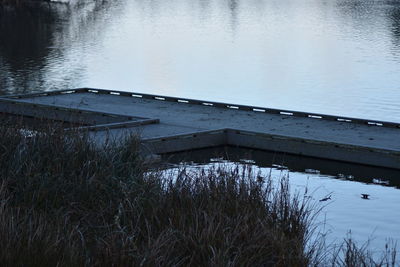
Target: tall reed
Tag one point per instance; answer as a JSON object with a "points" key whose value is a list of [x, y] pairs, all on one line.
{"points": [[67, 201]]}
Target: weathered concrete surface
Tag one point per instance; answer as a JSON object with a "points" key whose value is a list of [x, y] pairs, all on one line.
{"points": [[89, 120], [370, 144]]}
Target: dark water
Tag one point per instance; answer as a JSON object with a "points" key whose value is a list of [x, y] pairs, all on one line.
{"points": [[337, 57]]}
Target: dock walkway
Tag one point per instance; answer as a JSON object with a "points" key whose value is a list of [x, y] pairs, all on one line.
{"points": [[183, 124]]}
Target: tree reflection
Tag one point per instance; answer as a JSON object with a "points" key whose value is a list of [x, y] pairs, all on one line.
{"points": [[233, 8], [26, 32], [35, 36], [394, 16]]}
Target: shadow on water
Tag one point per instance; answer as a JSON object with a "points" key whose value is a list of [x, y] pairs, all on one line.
{"points": [[26, 32], [233, 7], [291, 163], [34, 36], [362, 13], [394, 18]]}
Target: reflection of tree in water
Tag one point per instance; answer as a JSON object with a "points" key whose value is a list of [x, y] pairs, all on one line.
{"points": [[25, 35], [34, 36], [24, 28], [361, 14], [368, 16], [394, 16], [233, 7], [35, 39]]}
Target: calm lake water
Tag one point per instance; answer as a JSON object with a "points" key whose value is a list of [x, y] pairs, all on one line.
{"points": [[328, 56]]}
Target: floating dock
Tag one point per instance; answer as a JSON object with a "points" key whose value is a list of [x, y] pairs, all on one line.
{"points": [[168, 124]]}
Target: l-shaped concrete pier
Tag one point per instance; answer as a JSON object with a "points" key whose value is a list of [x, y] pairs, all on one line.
{"points": [[168, 124]]}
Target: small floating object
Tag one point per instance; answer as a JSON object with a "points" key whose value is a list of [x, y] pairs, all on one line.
{"points": [[365, 196], [343, 176], [247, 161], [186, 163], [279, 167], [312, 171], [379, 181], [216, 159], [340, 175], [325, 199]]}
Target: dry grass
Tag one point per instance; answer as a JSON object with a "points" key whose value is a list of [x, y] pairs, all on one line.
{"points": [[67, 202], [350, 254]]}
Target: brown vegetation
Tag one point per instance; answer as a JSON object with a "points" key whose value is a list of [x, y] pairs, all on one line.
{"points": [[67, 202]]}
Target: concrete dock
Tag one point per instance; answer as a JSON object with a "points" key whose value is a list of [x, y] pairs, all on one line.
{"points": [[168, 124]]}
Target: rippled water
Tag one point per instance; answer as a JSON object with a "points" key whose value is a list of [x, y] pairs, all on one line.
{"points": [[337, 57]]}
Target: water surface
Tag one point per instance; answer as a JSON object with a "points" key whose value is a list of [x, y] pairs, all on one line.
{"points": [[337, 57], [345, 213]]}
